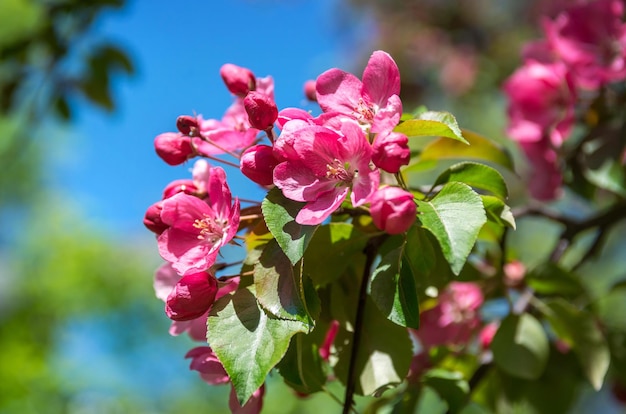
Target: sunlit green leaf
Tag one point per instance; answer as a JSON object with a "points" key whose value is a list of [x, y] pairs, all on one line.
{"points": [[480, 148], [520, 347], [475, 175], [454, 216], [280, 290], [498, 212], [246, 340], [432, 124], [280, 216]]}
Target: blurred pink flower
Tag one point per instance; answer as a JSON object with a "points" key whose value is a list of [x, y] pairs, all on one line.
{"points": [[393, 209], [541, 102], [544, 177], [590, 37], [321, 166], [374, 103], [454, 319], [198, 228]]}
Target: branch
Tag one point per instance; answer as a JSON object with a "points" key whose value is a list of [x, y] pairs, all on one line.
{"points": [[370, 250]]}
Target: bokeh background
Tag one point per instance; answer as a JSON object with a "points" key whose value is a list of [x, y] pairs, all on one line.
{"points": [[87, 85]]}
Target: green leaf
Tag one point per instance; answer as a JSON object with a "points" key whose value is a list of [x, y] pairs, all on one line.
{"points": [[480, 148], [432, 124], [333, 248], [384, 353], [280, 291], [520, 347], [280, 216], [301, 367], [579, 329], [246, 340], [393, 290], [609, 176], [450, 386], [475, 175], [454, 216], [551, 279], [498, 212]]}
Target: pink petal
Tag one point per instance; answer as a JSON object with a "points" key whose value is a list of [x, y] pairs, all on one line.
{"points": [[381, 78], [338, 91], [319, 210]]}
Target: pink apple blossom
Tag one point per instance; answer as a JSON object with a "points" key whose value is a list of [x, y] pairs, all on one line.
{"points": [[152, 218], [191, 297], [186, 186], [174, 148], [454, 319], [373, 103], [541, 102], [261, 109], [329, 339], [188, 125], [211, 370], [391, 151], [198, 228], [309, 90], [486, 334], [393, 209], [257, 163], [238, 80], [543, 175], [320, 167], [590, 37]]}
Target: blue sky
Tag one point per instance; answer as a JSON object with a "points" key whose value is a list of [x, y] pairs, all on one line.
{"points": [[109, 165]]}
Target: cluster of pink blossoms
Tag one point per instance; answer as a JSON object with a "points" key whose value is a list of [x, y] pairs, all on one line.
{"points": [[584, 49], [344, 153]]}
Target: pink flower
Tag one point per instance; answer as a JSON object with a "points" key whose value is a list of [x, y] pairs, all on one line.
{"points": [[455, 317], [179, 186], [393, 209], [544, 177], [321, 166], [198, 228], [232, 133], [211, 370], [590, 37], [187, 125], [485, 336], [174, 148], [238, 80], [152, 218], [542, 99], [261, 110], [328, 340], [374, 103], [391, 151], [257, 163], [191, 297]]}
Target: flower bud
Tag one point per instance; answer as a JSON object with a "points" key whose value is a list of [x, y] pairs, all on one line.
{"points": [[187, 125], [257, 163], [391, 151], [309, 90], [393, 209], [180, 186], [191, 297], [261, 109], [486, 334], [174, 148], [152, 218], [238, 80]]}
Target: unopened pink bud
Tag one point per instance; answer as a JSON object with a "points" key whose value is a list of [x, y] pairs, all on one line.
{"points": [[391, 151], [191, 297], [174, 148], [309, 90], [238, 80], [261, 109], [393, 209], [188, 125], [485, 336], [152, 218], [257, 163], [180, 186]]}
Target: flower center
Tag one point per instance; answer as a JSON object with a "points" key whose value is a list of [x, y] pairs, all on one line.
{"points": [[364, 113], [336, 170], [211, 230]]}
